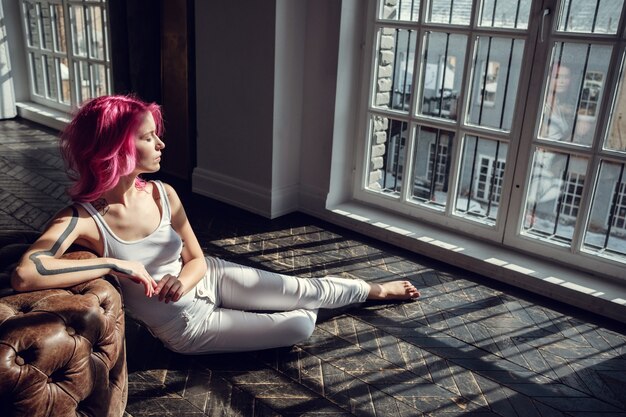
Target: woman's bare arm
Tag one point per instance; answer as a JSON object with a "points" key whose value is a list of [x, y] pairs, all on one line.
{"points": [[42, 267]]}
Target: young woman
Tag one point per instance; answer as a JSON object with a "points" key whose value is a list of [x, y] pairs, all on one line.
{"points": [[193, 303]]}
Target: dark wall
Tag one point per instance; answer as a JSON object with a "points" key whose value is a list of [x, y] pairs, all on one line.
{"points": [[152, 56], [136, 47]]}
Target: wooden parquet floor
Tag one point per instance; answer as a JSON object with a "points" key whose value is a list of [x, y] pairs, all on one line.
{"points": [[468, 347]]}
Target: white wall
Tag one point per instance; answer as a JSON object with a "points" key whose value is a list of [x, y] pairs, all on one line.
{"points": [[13, 69], [7, 96], [235, 102], [318, 116], [288, 101], [264, 143]]}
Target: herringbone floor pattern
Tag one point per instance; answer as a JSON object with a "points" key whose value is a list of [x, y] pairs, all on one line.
{"points": [[468, 347]]}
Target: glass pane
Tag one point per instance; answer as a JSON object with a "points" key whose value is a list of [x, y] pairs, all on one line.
{"points": [[494, 82], [387, 155], [407, 10], [96, 46], [59, 22], [79, 34], [442, 74], [394, 74], [616, 138], [482, 175], [46, 28], [505, 14], [51, 77], [554, 195], [37, 74], [99, 79], [590, 16], [574, 92], [455, 12], [64, 73], [606, 231], [432, 159], [32, 24], [83, 84]]}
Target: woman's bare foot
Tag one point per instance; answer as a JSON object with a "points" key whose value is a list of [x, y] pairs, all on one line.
{"points": [[394, 290]]}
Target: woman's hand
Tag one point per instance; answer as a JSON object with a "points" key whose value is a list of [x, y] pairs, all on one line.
{"points": [[136, 272], [170, 288]]}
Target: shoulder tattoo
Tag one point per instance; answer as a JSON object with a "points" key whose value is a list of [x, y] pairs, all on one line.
{"points": [[41, 268], [101, 205]]}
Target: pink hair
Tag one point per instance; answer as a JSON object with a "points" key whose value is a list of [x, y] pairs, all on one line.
{"points": [[98, 145]]}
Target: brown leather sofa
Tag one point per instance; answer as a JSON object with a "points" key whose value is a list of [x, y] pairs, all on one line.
{"points": [[62, 352]]}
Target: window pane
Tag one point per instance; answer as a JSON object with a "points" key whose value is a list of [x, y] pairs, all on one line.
{"points": [[51, 77], [387, 155], [455, 12], [59, 24], [590, 16], [407, 10], [79, 34], [606, 231], [616, 138], [32, 24], [83, 84], [482, 174], [494, 82], [574, 92], [431, 166], [554, 195], [64, 72], [505, 14], [99, 79], [442, 74], [394, 73], [96, 33], [46, 27], [37, 75]]}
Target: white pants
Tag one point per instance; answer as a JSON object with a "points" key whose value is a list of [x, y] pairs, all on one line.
{"points": [[238, 308]]}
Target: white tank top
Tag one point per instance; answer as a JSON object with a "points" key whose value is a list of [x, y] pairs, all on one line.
{"points": [[159, 252]]}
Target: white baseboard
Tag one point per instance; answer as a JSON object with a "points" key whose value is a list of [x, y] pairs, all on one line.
{"points": [[270, 203]]}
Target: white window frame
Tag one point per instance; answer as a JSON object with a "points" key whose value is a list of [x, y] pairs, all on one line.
{"points": [[98, 67], [456, 130], [521, 141]]}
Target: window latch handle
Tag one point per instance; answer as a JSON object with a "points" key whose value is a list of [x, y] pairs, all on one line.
{"points": [[546, 12]]}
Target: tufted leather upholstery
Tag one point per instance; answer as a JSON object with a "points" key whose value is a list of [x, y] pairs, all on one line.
{"points": [[62, 352]]}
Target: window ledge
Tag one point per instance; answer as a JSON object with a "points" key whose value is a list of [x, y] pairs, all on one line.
{"points": [[43, 115], [595, 294]]}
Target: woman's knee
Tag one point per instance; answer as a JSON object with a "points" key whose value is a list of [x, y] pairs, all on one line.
{"points": [[301, 328]]}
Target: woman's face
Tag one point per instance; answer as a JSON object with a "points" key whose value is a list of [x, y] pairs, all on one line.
{"points": [[148, 145]]}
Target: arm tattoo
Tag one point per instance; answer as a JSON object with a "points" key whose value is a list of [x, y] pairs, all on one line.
{"points": [[34, 257]]}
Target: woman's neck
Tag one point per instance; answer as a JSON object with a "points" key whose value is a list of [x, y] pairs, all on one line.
{"points": [[125, 191]]}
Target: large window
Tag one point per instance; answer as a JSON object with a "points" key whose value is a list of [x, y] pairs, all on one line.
{"points": [[67, 48], [506, 118], [448, 75]]}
